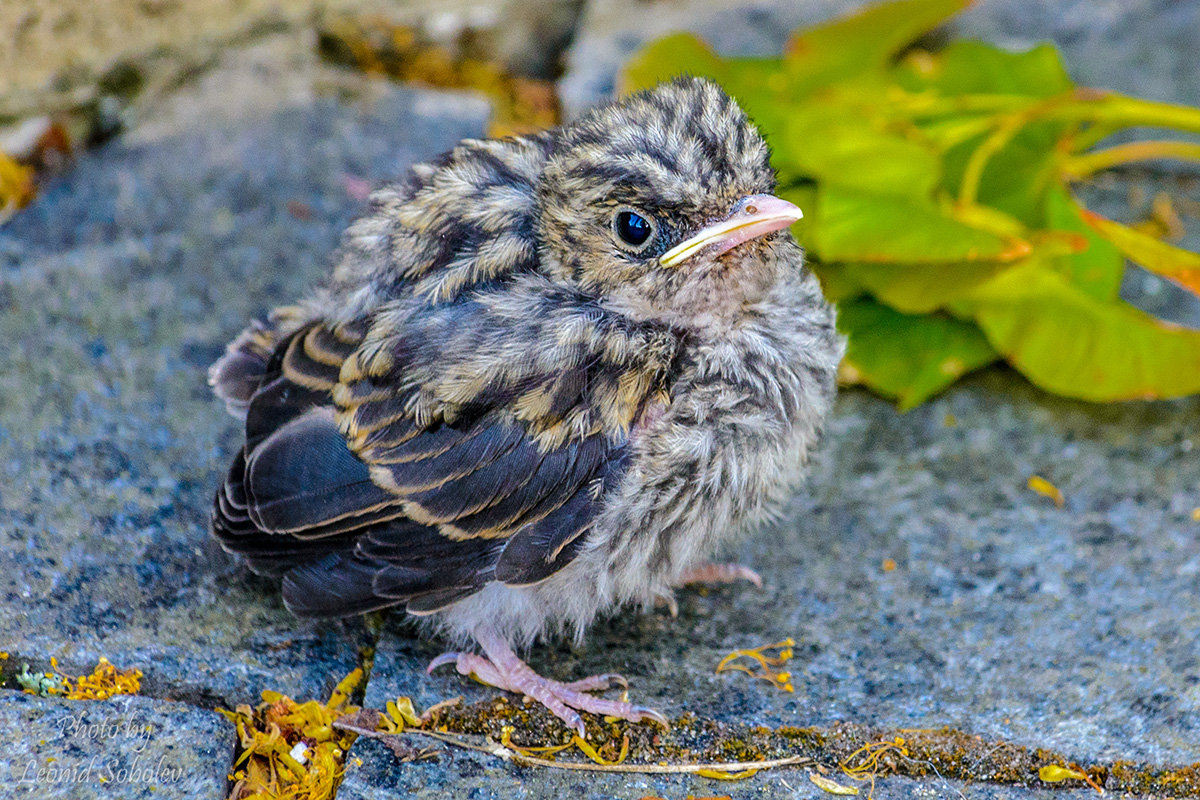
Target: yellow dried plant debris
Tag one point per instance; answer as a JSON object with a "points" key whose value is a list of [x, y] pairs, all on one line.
{"points": [[290, 750], [863, 764], [721, 775], [831, 786], [1053, 773], [762, 662], [399, 714], [16, 186], [104, 682], [1056, 773], [1046, 489], [378, 46], [550, 751]]}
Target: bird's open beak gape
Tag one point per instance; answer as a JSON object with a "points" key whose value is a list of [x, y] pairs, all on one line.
{"points": [[754, 215]]}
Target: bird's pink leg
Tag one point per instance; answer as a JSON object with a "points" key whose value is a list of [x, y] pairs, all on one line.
{"points": [[598, 683], [719, 573], [503, 669], [473, 666]]}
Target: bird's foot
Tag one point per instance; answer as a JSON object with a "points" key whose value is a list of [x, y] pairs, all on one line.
{"points": [[504, 670], [719, 573]]}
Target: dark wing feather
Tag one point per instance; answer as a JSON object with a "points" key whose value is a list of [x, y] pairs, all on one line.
{"points": [[542, 547], [333, 586], [303, 477], [370, 507]]}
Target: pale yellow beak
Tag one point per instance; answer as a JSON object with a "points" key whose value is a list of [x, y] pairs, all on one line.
{"points": [[753, 216]]}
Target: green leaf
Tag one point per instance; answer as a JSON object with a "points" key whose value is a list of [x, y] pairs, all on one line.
{"points": [[837, 146], [866, 40], [805, 196], [873, 150], [860, 227], [920, 288], [1017, 175], [1121, 111], [909, 358], [1071, 343], [969, 67], [1097, 269], [1173, 263]]}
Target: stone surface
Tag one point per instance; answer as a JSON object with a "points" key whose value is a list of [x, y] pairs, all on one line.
{"points": [[1145, 48], [1128, 198], [527, 37], [97, 58], [117, 289], [125, 747]]}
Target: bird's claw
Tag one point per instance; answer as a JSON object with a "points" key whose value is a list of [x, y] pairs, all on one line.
{"points": [[598, 683], [564, 700], [442, 660], [644, 713], [712, 573]]}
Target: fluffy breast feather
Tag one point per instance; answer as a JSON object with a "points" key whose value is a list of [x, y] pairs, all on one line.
{"points": [[745, 412]]}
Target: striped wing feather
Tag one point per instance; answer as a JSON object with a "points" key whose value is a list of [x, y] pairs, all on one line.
{"points": [[398, 510]]}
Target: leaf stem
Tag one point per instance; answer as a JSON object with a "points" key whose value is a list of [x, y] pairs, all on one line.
{"points": [[1122, 111], [1087, 164], [1079, 105], [1008, 127]]}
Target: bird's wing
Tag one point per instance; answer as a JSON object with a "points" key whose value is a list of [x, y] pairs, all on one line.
{"points": [[380, 467]]}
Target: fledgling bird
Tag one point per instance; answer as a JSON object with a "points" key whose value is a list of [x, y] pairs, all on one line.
{"points": [[548, 377]]}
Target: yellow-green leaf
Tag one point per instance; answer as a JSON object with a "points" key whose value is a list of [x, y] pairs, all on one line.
{"points": [[1073, 344], [837, 146], [910, 358], [857, 226], [863, 41], [1096, 269], [756, 83], [1016, 176], [1174, 263], [920, 288], [937, 183], [970, 67], [836, 285]]}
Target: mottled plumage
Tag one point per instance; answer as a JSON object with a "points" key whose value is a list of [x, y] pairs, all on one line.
{"points": [[504, 414]]}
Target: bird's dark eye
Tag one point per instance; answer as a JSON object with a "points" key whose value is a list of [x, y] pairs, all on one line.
{"points": [[634, 229]]}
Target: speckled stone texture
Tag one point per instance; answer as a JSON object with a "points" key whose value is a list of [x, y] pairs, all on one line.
{"points": [[127, 747]]}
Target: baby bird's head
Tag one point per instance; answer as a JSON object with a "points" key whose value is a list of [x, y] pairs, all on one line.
{"points": [[661, 204]]}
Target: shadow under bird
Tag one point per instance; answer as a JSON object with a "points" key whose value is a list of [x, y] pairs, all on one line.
{"points": [[548, 377]]}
